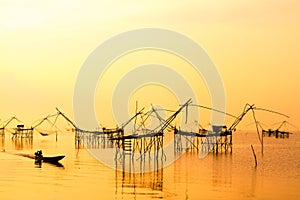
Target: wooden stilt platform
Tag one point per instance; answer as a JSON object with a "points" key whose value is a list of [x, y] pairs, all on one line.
{"points": [[276, 133], [217, 140], [22, 132]]}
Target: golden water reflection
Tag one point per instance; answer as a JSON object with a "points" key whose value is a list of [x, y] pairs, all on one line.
{"points": [[216, 176], [22, 143]]}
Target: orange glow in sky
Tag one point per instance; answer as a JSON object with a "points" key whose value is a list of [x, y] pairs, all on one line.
{"points": [[254, 45]]}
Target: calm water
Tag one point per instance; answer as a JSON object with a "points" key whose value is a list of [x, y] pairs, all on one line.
{"points": [[222, 176]]}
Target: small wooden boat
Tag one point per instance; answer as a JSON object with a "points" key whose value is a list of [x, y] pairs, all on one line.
{"points": [[52, 159], [39, 158]]}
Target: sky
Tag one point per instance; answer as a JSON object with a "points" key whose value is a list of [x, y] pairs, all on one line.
{"points": [[253, 44]]}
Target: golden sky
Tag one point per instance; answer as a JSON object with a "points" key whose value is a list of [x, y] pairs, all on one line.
{"points": [[254, 44]]}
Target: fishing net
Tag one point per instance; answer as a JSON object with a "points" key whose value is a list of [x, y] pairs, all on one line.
{"points": [[45, 132]]}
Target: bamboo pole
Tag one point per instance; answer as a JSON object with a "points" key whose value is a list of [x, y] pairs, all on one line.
{"points": [[260, 136], [254, 155]]}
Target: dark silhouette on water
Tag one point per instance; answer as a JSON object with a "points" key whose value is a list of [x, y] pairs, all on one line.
{"points": [[39, 158]]}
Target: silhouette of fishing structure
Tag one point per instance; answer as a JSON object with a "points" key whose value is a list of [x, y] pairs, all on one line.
{"points": [[18, 132], [22, 137], [249, 107], [132, 173], [52, 125], [39, 158], [144, 141], [220, 137], [150, 141], [279, 132], [141, 142]]}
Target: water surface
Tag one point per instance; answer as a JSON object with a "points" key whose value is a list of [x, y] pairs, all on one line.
{"points": [[216, 176]]}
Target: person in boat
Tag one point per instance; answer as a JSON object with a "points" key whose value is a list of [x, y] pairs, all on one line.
{"points": [[38, 154]]}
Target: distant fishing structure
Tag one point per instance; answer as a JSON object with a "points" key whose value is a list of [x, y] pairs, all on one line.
{"points": [[216, 140], [18, 132], [278, 132], [22, 136], [220, 137], [144, 140]]}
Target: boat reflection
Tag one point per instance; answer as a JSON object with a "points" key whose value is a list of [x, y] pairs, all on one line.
{"points": [[39, 164]]}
